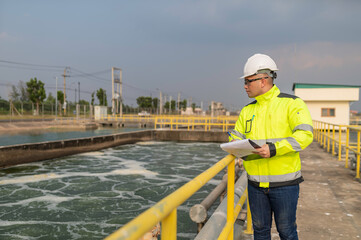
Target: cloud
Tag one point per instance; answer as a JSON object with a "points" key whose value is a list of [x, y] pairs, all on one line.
{"points": [[5, 36], [318, 55]]}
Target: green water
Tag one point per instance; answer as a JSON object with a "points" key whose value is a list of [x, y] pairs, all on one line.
{"points": [[54, 135], [89, 196]]}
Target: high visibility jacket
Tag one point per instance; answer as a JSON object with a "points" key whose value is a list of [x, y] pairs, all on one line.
{"points": [[284, 123]]}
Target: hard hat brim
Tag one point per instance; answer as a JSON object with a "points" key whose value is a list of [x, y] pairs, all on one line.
{"points": [[244, 76]]}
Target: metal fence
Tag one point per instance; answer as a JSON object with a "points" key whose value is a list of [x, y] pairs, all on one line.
{"points": [[24, 109], [338, 139]]}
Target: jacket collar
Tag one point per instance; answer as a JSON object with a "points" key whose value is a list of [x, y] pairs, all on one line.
{"points": [[272, 93]]}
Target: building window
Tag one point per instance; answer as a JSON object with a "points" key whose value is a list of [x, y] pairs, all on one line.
{"points": [[328, 112]]}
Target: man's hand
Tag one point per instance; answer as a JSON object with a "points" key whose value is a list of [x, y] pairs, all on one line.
{"points": [[263, 151]]}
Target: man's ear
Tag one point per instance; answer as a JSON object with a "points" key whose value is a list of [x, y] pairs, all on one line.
{"points": [[264, 82]]}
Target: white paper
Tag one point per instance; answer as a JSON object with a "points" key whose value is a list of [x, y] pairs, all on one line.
{"points": [[239, 148]]}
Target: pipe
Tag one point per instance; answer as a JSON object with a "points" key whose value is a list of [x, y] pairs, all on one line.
{"points": [[198, 213], [217, 221]]}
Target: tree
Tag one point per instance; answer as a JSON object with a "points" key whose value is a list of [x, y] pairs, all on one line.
{"points": [[50, 99], [183, 104], [36, 92], [102, 97], [193, 106], [14, 94], [24, 96], [92, 100], [155, 102], [144, 102], [83, 102], [172, 104], [60, 96]]}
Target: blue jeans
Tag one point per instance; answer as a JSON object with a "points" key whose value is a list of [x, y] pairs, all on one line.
{"points": [[282, 202]]}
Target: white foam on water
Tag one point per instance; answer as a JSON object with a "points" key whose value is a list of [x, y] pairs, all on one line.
{"points": [[151, 143], [47, 198], [27, 179], [43, 177], [72, 223], [131, 172], [98, 153]]}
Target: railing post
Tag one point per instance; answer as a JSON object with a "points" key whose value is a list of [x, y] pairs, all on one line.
{"points": [[169, 226], [328, 137], [230, 197], [321, 134], [333, 140], [318, 132], [324, 136], [358, 155], [339, 142], [347, 143], [249, 229]]}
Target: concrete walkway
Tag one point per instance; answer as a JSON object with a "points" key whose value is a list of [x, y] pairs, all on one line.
{"points": [[330, 198], [329, 206]]}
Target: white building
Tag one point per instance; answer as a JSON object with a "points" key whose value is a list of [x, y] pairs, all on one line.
{"points": [[100, 112], [217, 109], [328, 102]]}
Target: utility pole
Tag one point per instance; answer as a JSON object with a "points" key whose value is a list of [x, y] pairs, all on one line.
{"points": [[56, 98], [65, 76], [78, 91], [178, 102], [117, 102], [170, 104], [160, 103]]}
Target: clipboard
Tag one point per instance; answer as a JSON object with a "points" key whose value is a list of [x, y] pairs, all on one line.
{"points": [[240, 148]]}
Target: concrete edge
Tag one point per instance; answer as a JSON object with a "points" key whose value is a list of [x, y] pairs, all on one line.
{"points": [[32, 152]]}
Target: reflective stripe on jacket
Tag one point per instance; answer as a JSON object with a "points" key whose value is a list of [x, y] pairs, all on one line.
{"points": [[284, 122]]}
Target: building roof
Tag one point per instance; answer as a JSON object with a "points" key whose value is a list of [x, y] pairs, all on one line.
{"points": [[316, 85]]}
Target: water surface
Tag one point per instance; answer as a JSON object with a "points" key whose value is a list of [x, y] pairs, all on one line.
{"points": [[90, 195], [57, 134]]}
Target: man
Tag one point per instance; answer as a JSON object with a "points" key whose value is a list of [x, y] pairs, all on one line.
{"points": [[281, 124]]}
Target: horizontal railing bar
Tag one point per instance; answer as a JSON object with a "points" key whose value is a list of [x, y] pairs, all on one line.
{"points": [[148, 219]]}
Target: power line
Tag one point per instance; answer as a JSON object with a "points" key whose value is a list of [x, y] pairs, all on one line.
{"points": [[30, 64], [93, 74], [90, 75], [82, 74], [27, 68]]}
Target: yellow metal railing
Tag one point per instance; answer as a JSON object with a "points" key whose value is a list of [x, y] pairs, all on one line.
{"points": [[179, 121], [165, 211], [176, 122], [322, 134]]}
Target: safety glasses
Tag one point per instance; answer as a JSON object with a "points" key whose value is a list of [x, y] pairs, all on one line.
{"points": [[248, 81]]}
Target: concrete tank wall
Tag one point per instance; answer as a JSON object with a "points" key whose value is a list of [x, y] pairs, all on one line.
{"points": [[25, 153]]}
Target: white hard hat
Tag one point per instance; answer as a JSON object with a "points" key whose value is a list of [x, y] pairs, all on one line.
{"points": [[258, 62]]}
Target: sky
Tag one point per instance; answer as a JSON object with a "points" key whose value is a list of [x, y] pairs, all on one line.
{"points": [[195, 48]]}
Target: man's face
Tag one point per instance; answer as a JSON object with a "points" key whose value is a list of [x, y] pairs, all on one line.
{"points": [[254, 84]]}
